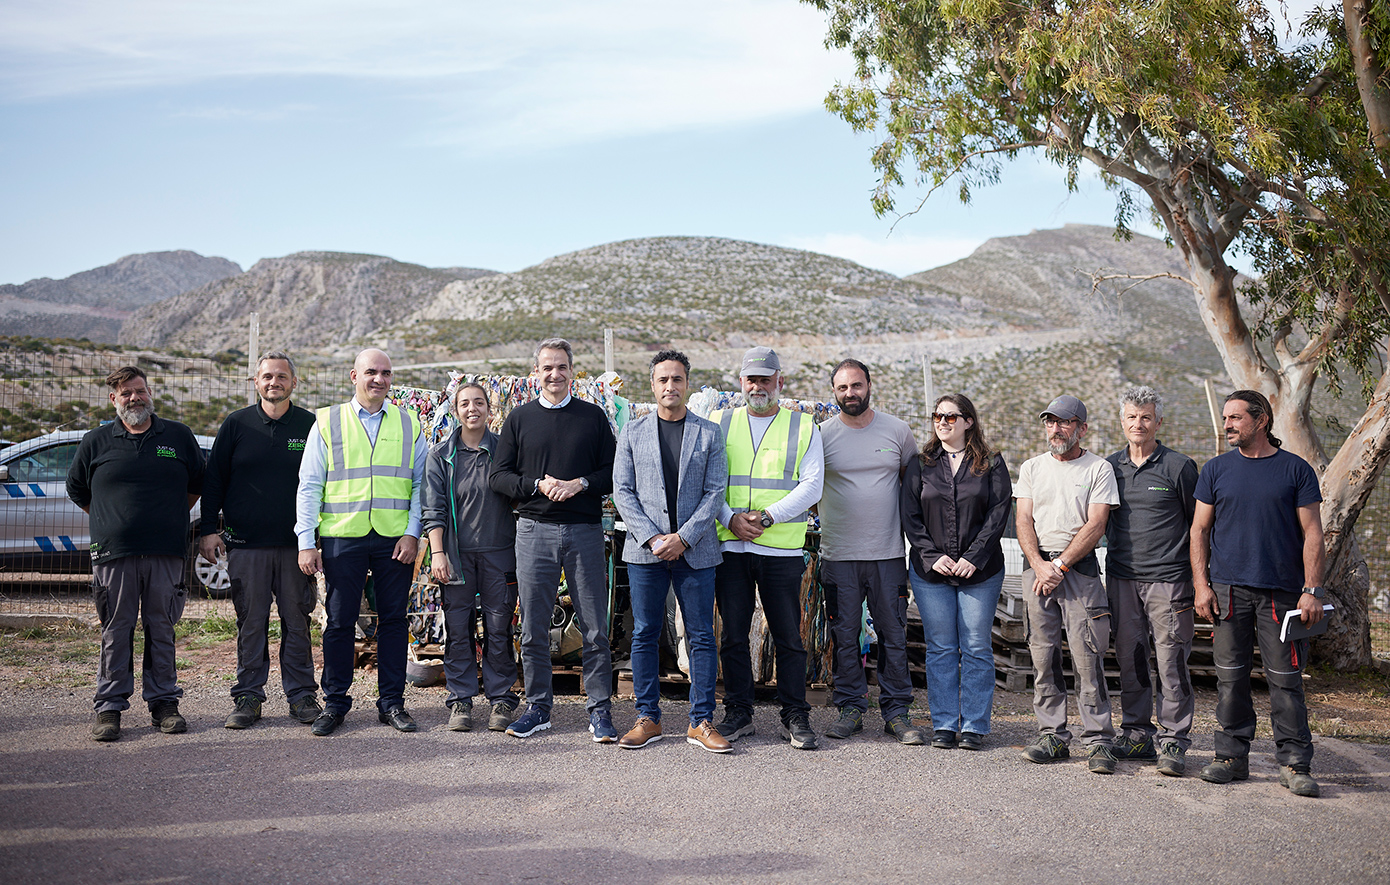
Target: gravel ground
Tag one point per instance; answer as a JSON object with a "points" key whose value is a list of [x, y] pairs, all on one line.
{"points": [[276, 804]]}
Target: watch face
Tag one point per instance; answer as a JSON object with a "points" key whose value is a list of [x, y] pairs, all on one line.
{"points": [[767, 521]]}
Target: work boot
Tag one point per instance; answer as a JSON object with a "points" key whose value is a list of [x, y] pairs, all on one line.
{"points": [[107, 727], [1102, 760], [1126, 747], [165, 714], [501, 715], [306, 709], [1047, 748], [247, 712], [850, 721], [1172, 761], [1298, 781], [461, 716], [1223, 771], [901, 728]]}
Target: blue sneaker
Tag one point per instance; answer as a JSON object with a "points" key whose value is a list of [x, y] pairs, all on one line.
{"points": [[530, 722], [601, 726]]}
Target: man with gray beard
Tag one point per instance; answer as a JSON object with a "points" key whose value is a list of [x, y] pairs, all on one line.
{"points": [[137, 477], [1063, 500]]}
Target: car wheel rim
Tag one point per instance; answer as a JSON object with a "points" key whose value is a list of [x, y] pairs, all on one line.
{"points": [[213, 575]]}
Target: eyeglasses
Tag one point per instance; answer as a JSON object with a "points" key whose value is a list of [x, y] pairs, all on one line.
{"points": [[948, 420], [1054, 421]]}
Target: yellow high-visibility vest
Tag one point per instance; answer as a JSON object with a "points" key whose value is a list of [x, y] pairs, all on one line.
{"points": [[764, 475], [367, 486]]}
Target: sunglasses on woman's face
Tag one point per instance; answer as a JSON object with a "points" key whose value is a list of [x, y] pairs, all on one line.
{"points": [[948, 420]]}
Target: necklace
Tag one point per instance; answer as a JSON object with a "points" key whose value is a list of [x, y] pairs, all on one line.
{"points": [[951, 453]]}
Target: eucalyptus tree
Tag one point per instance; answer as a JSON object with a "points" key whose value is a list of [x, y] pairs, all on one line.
{"points": [[1195, 111]]}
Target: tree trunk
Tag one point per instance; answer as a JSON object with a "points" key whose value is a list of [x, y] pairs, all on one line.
{"points": [[1346, 482], [1369, 75]]}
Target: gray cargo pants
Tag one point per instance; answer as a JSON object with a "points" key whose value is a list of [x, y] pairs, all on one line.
{"points": [[1079, 604], [883, 583], [543, 549], [259, 575], [148, 588], [488, 579], [1166, 609]]}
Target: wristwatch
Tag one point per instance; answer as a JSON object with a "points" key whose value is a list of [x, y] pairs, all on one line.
{"points": [[767, 520], [1315, 592], [583, 483]]}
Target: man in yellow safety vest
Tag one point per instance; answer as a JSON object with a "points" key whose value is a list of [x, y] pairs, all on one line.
{"points": [[359, 487], [776, 466]]}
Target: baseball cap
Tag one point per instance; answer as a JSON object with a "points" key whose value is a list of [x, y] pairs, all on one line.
{"points": [[760, 361], [1065, 407]]}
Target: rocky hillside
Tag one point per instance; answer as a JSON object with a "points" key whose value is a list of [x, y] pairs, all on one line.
{"points": [[686, 289], [308, 300], [93, 304]]}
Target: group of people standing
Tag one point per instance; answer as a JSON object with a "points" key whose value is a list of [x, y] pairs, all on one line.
{"points": [[715, 510]]}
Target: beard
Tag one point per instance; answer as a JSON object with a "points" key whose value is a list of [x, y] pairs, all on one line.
{"points": [[854, 407], [759, 401], [135, 414], [1066, 442]]}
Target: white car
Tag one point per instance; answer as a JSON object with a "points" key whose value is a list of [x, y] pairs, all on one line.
{"points": [[41, 530]]}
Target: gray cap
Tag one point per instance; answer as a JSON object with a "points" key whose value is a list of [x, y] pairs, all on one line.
{"points": [[760, 361], [1065, 407]]}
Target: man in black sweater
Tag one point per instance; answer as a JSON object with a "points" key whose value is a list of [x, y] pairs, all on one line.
{"points": [[252, 477], [138, 477], [555, 460]]}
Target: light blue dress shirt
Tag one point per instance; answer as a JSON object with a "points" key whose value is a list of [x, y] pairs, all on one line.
{"points": [[313, 473]]}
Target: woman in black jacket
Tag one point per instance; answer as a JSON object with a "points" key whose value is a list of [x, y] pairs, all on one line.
{"points": [[955, 503]]}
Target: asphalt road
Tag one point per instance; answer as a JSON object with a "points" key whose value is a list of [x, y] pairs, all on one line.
{"points": [[276, 804]]}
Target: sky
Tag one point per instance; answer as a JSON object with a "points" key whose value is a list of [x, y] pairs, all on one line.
{"points": [[452, 133]]}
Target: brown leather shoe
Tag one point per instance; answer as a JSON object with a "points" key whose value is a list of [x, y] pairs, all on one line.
{"points": [[707, 737], [644, 732]]}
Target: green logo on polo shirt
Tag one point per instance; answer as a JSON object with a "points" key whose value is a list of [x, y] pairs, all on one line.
{"points": [[165, 452], [296, 445]]}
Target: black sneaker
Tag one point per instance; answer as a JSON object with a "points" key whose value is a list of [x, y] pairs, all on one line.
{"points": [[306, 709], [736, 724], [461, 716], [1172, 761], [850, 721], [501, 715], [247, 712], [107, 727], [1047, 748], [166, 716], [1126, 747], [1223, 771], [1102, 760], [799, 732]]}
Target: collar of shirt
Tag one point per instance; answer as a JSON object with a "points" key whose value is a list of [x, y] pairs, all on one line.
{"points": [[547, 404], [266, 419], [120, 429], [1152, 459]]}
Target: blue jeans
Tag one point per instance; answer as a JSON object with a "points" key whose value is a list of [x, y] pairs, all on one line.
{"points": [[694, 588], [957, 621]]}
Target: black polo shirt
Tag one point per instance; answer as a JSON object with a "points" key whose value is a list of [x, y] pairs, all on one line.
{"points": [[1147, 535], [136, 488], [253, 474]]}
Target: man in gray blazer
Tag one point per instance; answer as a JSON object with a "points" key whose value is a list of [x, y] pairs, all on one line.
{"points": [[668, 483]]}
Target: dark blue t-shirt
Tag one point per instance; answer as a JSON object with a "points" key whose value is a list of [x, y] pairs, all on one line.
{"points": [[1256, 539]]}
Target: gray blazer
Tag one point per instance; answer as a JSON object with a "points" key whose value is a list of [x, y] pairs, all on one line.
{"points": [[639, 489]]}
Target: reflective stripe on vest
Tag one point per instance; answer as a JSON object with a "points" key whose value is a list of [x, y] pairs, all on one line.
{"points": [[367, 487], [763, 475]]}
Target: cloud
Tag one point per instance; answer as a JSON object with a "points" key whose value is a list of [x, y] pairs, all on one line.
{"points": [[898, 254], [496, 75]]}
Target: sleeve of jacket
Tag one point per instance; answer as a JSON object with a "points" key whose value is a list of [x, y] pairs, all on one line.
{"points": [[715, 480], [1001, 493], [639, 527], [924, 551], [434, 498]]}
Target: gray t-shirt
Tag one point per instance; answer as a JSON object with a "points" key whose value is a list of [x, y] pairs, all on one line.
{"points": [[859, 511], [1062, 493]]}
